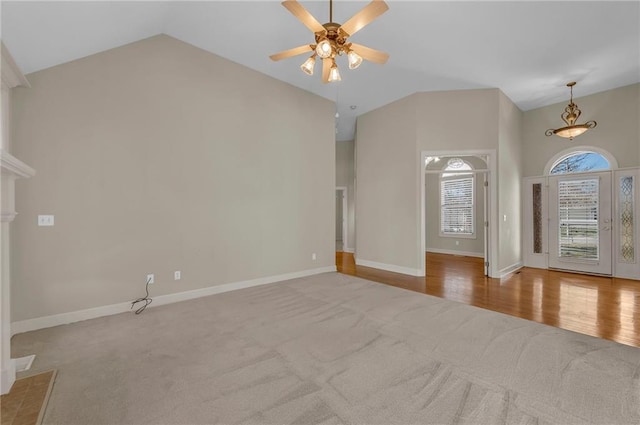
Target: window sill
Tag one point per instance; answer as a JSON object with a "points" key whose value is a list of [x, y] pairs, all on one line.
{"points": [[458, 235]]}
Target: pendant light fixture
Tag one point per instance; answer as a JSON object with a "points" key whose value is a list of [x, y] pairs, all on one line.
{"points": [[570, 116]]}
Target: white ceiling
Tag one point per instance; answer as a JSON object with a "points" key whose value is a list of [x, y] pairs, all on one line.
{"points": [[529, 50]]}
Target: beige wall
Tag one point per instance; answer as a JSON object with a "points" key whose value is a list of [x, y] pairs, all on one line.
{"points": [[345, 176], [158, 156], [509, 184], [387, 176], [457, 120], [617, 113]]}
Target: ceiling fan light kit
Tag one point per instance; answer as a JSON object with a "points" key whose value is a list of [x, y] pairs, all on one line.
{"points": [[334, 74], [570, 116], [354, 59], [331, 40], [308, 65]]}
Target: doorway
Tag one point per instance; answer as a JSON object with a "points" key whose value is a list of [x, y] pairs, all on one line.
{"points": [[580, 222], [456, 206], [579, 216], [341, 218]]}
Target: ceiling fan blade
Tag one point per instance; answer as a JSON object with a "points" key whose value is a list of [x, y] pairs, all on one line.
{"points": [[326, 68], [291, 52], [370, 54], [303, 15], [364, 17]]}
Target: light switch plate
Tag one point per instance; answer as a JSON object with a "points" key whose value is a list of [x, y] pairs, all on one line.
{"points": [[45, 220]]}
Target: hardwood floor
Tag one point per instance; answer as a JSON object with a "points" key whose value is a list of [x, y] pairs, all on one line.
{"points": [[25, 403], [604, 307]]}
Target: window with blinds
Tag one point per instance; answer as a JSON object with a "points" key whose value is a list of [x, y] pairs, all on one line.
{"points": [[578, 218], [456, 202]]}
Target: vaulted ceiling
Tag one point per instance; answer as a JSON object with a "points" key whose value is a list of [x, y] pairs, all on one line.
{"points": [[529, 50]]}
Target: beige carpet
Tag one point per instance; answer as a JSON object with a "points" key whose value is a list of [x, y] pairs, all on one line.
{"points": [[331, 349]]}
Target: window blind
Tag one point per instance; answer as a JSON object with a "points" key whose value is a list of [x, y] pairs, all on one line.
{"points": [[456, 200], [578, 216]]}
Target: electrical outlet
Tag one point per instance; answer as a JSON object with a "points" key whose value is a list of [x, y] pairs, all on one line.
{"points": [[151, 279], [177, 275], [313, 256], [45, 220], [457, 243]]}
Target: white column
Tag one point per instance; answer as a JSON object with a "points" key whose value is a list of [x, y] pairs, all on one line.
{"points": [[11, 169], [7, 366]]}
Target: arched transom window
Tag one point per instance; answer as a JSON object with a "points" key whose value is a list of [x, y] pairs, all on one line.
{"points": [[580, 162]]}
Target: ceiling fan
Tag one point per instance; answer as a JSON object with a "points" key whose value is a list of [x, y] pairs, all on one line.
{"points": [[331, 40]]}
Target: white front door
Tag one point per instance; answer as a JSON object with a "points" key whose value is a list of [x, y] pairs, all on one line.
{"points": [[580, 222]]}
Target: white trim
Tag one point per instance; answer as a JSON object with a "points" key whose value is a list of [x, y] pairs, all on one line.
{"points": [[510, 269], [390, 267], [483, 171], [613, 162], [349, 250], [13, 166], [7, 216], [11, 74], [108, 310], [7, 377], [24, 363], [345, 215], [454, 252]]}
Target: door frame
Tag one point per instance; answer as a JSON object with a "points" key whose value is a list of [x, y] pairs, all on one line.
{"points": [[491, 205], [345, 216]]}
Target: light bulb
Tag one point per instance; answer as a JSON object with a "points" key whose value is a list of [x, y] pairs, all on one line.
{"points": [[307, 66], [334, 74], [354, 59], [324, 49]]}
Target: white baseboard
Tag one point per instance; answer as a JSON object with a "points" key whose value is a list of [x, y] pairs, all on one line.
{"points": [[390, 267], [349, 250], [510, 269], [454, 252], [108, 310], [24, 363]]}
